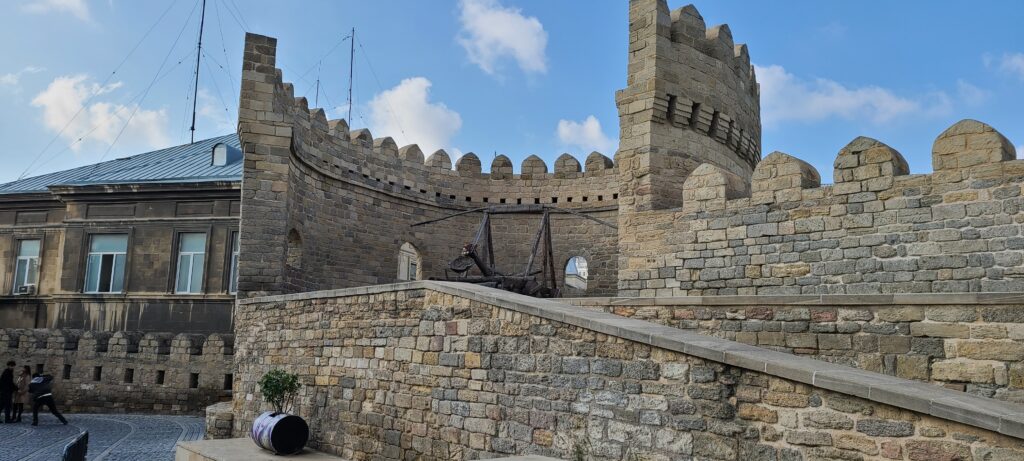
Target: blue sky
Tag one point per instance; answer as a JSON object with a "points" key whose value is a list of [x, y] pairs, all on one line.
{"points": [[517, 77]]}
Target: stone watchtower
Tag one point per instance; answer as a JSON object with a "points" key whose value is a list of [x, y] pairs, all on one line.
{"points": [[692, 98]]}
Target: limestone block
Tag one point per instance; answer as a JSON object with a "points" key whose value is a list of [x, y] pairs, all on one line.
{"points": [[361, 138], [687, 22], [440, 159], [385, 146], [780, 177], [566, 166], [533, 167], [970, 144], [868, 162], [710, 187], [339, 129], [468, 165], [501, 167], [597, 161], [411, 153]]}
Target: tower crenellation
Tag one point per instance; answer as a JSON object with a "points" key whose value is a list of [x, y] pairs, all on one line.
{"points": [[691, 98]]}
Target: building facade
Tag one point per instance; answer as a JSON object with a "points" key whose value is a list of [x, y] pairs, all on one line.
{"points": [[144, 243]]}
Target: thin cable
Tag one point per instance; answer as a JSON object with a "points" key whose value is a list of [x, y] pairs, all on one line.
{"points": [[242, 17], [232, 13], [223, 47], [227, 113], [103, 84], [146, 93], [96, 126], [382, 92]]}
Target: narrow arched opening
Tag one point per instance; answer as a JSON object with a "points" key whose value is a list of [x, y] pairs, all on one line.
{"points": [[293, 257], [408, 263], [576, 274]]}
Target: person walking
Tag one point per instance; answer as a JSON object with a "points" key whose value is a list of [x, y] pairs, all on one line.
{"points": [[7, 389], [41, 388], [21, 396]]}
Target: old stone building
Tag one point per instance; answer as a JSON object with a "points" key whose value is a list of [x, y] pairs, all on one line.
{"points": [[143, 243]]}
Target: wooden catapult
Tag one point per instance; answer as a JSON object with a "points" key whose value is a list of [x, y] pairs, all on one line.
{"points": [[536, 279]]}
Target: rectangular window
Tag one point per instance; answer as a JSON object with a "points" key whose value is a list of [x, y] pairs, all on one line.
{"points": [[67, 371], [104, 269], [233, 282], [193, 380], [26, 268], [160, 377], [191, 258]]}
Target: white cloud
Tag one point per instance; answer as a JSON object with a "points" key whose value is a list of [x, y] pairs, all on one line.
{"points": [[586, 135], [212, 109], [78, 8], [1011, 63], [785, 97], [491, 32], [13, 78], [100, 121], [970, 94], [1020, 151], [406, 113]]}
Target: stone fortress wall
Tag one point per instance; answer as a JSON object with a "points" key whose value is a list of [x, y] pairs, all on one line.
{"points": [[437, 370], [968, 342], [878, 229], [336, 205], [127, 372]]}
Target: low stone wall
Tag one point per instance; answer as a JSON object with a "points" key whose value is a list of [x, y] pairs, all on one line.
{"points": [[967, 342], [127, 372], [433, 370]]}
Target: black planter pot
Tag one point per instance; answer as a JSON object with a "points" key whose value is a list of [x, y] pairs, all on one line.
{"points": [[281, 433]]}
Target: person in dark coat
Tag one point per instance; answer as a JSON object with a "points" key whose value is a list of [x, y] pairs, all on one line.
{"points": [[7, 389], [41, 388]]}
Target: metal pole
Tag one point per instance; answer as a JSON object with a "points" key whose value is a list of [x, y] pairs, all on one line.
{"points": [[199, 54], [351, 61]]}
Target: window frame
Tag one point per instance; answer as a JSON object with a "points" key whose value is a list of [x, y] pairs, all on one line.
{"points": [[87, 253], [176, 260], [18, 241]]}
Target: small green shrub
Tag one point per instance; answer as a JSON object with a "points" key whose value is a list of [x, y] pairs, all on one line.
{"points": [[279, 388]]}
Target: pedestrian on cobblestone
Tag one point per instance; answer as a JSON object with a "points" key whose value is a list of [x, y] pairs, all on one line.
{"points": [[7, 389], [41, 388], [21, 396]]}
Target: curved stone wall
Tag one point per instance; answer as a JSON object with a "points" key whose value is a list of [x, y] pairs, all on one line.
{"points": [[336, 205]]}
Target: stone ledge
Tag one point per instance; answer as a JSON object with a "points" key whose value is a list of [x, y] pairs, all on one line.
{"points": [[1003, 417], [901, 299], [235, 449]]}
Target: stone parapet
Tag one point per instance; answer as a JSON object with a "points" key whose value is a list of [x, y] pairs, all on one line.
{"points": [[968, 342], [125, 371]]}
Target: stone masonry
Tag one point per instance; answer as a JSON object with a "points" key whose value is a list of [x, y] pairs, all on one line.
{"points": [[127, 372], [430, 370], [966, 342]]}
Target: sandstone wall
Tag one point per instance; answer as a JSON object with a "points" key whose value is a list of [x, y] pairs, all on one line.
{"points": [[964, 342], [876, 230], [691, 98], [430, 370], [326, 207], [127, 372]]}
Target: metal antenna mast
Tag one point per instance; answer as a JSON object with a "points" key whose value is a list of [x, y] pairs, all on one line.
{"points": [[351, 60], [199, 54]]}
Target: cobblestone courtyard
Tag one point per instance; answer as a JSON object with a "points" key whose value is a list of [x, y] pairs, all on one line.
{"points": [[111, 437]]}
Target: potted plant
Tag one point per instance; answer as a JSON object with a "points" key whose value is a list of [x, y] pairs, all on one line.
{"points": [[278, 431]]}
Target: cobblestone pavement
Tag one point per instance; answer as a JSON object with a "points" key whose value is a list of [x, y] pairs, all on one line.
{"points": [[111, 437]]}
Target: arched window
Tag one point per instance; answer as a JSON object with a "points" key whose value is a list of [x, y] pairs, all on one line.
{"points": [[576, 273], [408, 263], [294, 256]]}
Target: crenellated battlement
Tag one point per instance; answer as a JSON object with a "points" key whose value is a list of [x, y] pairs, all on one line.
{"points": [[127, 371], [121, 344], [876, 229], [692, 98]]}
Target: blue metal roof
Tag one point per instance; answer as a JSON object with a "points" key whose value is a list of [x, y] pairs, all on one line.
{"points": [[185, 163]]}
